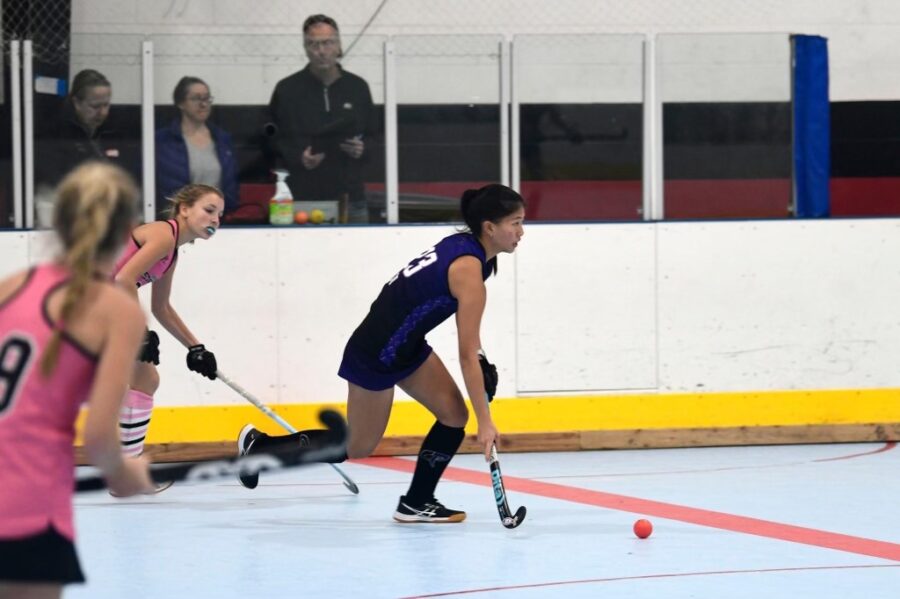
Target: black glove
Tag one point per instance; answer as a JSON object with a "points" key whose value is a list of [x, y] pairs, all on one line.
{"points": [[150, 348], [202, 361], [489, 372]]}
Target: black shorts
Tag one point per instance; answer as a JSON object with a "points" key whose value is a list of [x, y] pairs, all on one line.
{"points": [[46, 557]]}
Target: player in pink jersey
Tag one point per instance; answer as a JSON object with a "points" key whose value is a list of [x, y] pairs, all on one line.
{"points": [[150, 258], [67, 336]]}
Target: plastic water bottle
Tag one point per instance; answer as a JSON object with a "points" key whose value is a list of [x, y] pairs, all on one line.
{"points": [[281, 206]]}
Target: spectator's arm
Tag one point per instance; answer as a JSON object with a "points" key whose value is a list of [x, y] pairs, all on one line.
{"points": [[228, 162], [286, 140], [367, 118]]}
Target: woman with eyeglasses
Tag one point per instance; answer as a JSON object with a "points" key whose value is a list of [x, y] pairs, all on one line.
{"points": [[321, 124], [193, 150]]}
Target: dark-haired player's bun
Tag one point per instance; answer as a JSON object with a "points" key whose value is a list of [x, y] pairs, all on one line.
{"points": [[466, 201]]}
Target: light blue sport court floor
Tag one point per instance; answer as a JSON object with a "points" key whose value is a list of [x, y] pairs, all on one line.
{"points": [[740, 522]]}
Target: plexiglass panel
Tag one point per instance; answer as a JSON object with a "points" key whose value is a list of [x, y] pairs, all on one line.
{"points": [[580, 101], [726, 125], [448, 105], [95, 116]]}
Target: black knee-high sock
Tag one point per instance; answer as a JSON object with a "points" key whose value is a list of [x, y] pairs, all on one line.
{"points": [[314, 438], [438, 448]]}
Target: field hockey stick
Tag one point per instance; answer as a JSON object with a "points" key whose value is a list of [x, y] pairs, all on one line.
{"points": [[348, 482], [506, 516], [205, 470]]}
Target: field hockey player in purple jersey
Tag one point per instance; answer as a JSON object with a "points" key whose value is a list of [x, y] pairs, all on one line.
{"points": [[388, 349]]}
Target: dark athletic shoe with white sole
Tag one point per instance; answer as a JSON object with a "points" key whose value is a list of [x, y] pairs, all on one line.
{"points": [[246, 439], [430, 511]]}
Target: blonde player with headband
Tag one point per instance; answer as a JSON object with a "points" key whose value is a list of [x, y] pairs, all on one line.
{"points": [[150, 258], [68, 335]]}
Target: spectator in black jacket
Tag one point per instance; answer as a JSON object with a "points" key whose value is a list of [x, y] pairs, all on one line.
{"points": [[322, 119], [190, 149], [81, 133]]}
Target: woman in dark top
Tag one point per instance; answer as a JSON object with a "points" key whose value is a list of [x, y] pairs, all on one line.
{"points": [[81, 132]]}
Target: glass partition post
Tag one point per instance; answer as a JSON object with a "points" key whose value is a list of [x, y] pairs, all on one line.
{"points": [[653, 200], [505, 103], [28, 128], [147, 132], [15, 193], [391, 175], [515, 129]]}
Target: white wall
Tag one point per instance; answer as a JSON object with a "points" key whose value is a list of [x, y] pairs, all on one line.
{"points": [[778, 305], [674, 307], [225, 41]]}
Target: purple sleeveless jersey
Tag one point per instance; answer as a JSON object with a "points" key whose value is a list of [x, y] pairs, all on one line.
{"points": [[390, 343]]}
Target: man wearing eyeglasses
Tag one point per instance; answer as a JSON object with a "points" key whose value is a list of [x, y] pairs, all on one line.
{"points": [[322, 121]]}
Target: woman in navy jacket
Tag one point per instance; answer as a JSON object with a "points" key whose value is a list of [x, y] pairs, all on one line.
{"points": [[192, 150]]}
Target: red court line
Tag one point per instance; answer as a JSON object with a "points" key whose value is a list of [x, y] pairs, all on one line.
{"points": [[644, 577], [671, 511], [887, 447]]}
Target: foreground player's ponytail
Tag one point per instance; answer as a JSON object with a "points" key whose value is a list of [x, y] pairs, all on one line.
{"points": [[95, 210], [491, 203]]}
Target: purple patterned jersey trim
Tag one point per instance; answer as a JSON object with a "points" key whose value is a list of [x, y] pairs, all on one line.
{"points": [[389, 353]]}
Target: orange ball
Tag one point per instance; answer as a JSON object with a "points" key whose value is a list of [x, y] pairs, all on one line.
{"points": [[301, 217], [643, 528]]}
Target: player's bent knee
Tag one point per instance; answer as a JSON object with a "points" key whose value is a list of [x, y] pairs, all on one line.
{"points": [[152, 382], [360, 449], [145, 378], [356, 453], [456, 418], [457, 414]]}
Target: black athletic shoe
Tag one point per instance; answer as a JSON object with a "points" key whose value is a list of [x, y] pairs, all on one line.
{"points": [[430, 511], [245, 442]]}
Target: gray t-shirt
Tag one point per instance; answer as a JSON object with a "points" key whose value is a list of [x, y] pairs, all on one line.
{"points": [[204, 165]]}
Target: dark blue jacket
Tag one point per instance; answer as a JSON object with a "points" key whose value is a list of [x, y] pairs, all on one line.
{"points": [[173, 170]]}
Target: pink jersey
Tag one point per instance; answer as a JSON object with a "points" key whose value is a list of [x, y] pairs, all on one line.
{"points": [[158, 269], [37, 414]]}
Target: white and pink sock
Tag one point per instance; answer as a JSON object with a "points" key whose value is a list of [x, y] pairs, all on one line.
{"points": [[134, 420]]}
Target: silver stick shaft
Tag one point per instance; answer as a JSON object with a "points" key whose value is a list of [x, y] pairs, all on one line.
{"points": [[348, 482]]}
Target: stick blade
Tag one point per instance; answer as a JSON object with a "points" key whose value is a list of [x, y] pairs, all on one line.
{"points": [[334, 422], [517, 519]]}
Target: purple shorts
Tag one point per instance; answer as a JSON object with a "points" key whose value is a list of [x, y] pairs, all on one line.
{"points": [[369, 373]]}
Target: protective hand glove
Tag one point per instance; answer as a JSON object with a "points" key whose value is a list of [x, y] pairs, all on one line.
{"points": [[202, 361], [150, 348], [489, 372]]}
